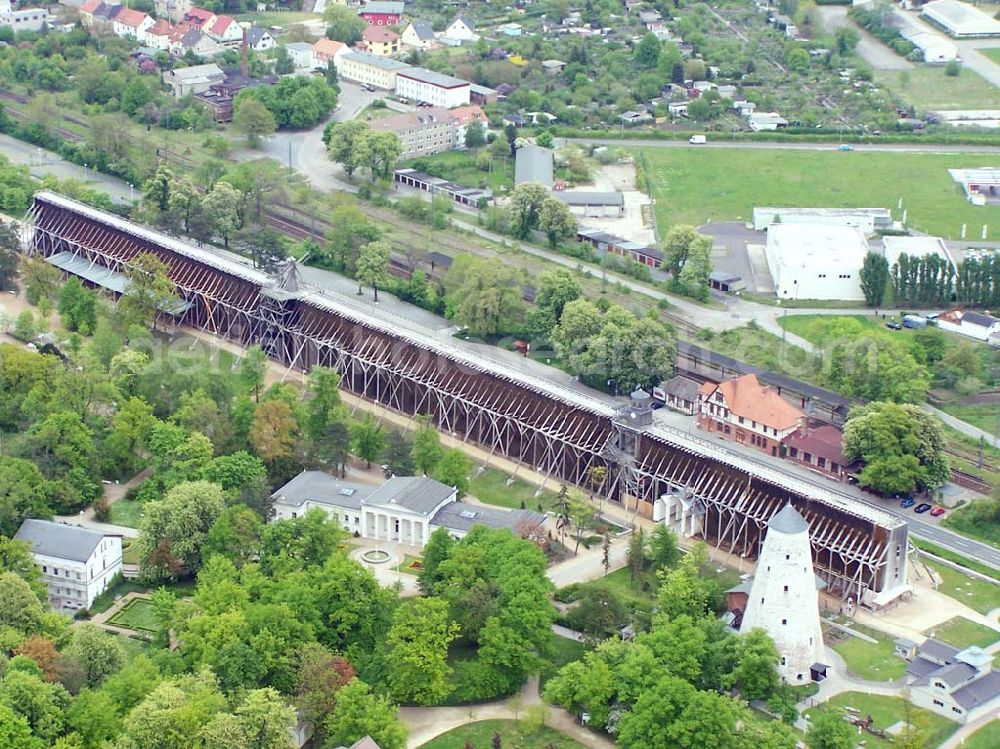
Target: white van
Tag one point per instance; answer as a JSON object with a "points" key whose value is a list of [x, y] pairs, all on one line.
{"points": [[698, 140]]}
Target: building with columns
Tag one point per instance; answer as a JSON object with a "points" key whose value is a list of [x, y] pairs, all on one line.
{"points": [[404, 509]]}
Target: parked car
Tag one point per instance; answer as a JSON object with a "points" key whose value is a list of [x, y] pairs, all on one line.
{"points": [[922, 507], [845, 147], [937, 511], [907, 502], [698, 140], [893, 325]]}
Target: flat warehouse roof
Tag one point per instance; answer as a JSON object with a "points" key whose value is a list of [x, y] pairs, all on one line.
{"points": [[433, 78], [961, 19]]}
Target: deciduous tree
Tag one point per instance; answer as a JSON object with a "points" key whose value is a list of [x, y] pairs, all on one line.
{"points": [[222, 205], [360, 713], [426, 451], [373, 266], [418, 644], [253, 120], [556, 220], [453, 469], [148, 292], [368, 439]]}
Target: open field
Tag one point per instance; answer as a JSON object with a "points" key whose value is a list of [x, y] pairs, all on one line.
{"points": [[694, 186], [962, 633], [137, 614], [969, 520], [491, 487], [978, 595], [887, 711], [512, 734], [927, 87], [126, 512], [987, 737]]}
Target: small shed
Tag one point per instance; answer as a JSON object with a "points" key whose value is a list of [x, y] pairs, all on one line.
{"points": [[680, 393], [727, 282], [905, 649]]}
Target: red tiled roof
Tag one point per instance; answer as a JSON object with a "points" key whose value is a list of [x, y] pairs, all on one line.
{"points": [[90, 6], [746, 397], [162, 27], [221, 24], [327, 47], [464, 115], [379, 34], [823, 441], [130, 17]]}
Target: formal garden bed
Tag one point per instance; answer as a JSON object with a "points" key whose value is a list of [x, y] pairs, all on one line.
{"points": [[137, 615], [513, 733]]}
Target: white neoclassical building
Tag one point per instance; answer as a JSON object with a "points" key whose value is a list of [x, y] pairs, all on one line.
{"points": [[783, 597], [405, 509]]}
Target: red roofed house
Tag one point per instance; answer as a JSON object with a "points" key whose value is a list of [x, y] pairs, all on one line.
{"points": [[87, 11], [158, 35], [132, 24], [380, 41], [744, 411], [382, 12], [199, 18], [226, 31], [462, 117], [326, 50], [819, 448]]}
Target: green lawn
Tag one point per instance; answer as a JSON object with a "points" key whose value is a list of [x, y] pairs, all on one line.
{"points": [[491, 487], [969, 521], [564, 650], [126, 512], [814, 327], [982, 415], [991, 52], [887, 711], [693, 186], [929, 88], [874, 662], [138, 615], [977, 594], [512, 734], [987, 737], [961, 633], [132, 646]]}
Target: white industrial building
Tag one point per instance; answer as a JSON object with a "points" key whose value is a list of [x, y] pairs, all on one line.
{"points": [[960, 20], [431, 87], [869, 220], [77, 564], [893, 247], [936, 49], [405, 509], [783, 597], [816, 261]]}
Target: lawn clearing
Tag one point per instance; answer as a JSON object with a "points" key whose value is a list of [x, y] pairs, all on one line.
{"points": [[132, 646], [126, 512], [987, 737], [887, 711], [871, 661], [978, 595], [694, 186], [137, 614], [927, 87], [962, 633], [491, 487], [564, 650], [512, 734]]}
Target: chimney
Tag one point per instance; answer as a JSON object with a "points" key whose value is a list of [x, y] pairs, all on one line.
{"points": [[245, 55]]}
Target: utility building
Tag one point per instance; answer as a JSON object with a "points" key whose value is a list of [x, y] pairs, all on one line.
{"points": [[783, 596]]}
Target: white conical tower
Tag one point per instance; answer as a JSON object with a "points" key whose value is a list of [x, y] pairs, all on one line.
{"points": [[784, 597]]}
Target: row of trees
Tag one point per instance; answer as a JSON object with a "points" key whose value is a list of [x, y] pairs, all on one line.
{"points": [[931, 281], [354, 145]]}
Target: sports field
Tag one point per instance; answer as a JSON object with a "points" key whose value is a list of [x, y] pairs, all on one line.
{"points": [[696, 185]]}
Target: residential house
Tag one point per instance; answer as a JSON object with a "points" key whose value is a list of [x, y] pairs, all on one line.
{"points": [[193, 79], [132, 24], [679, 393], [226, 31], [301, 55], [382, 12], [93, 14], [647, 17], [677, 108], [368, 69], [462, 117], [510, 29], [982, 327], [419, 35], [422, 133], [461, 29], [77, 564], [326, 51], [260, 40], [158, 35], [818, 447], [199, 18], [194, 41], [403, 509], [553, 67], [744, 411], [22, 19], [380, 41], [172, 10], [959, 685], [431, 87]]}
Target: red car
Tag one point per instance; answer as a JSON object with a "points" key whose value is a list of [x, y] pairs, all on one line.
{"points": [[937, 512]]}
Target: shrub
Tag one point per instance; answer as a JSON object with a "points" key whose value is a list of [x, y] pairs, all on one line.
{"points": [[953, 68]]}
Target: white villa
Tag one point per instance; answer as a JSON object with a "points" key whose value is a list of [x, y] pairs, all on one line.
{"points": [[77, 564], [405, 509]]}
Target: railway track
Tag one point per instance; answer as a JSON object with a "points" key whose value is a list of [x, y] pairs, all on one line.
{"points": [[968, 481]]}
